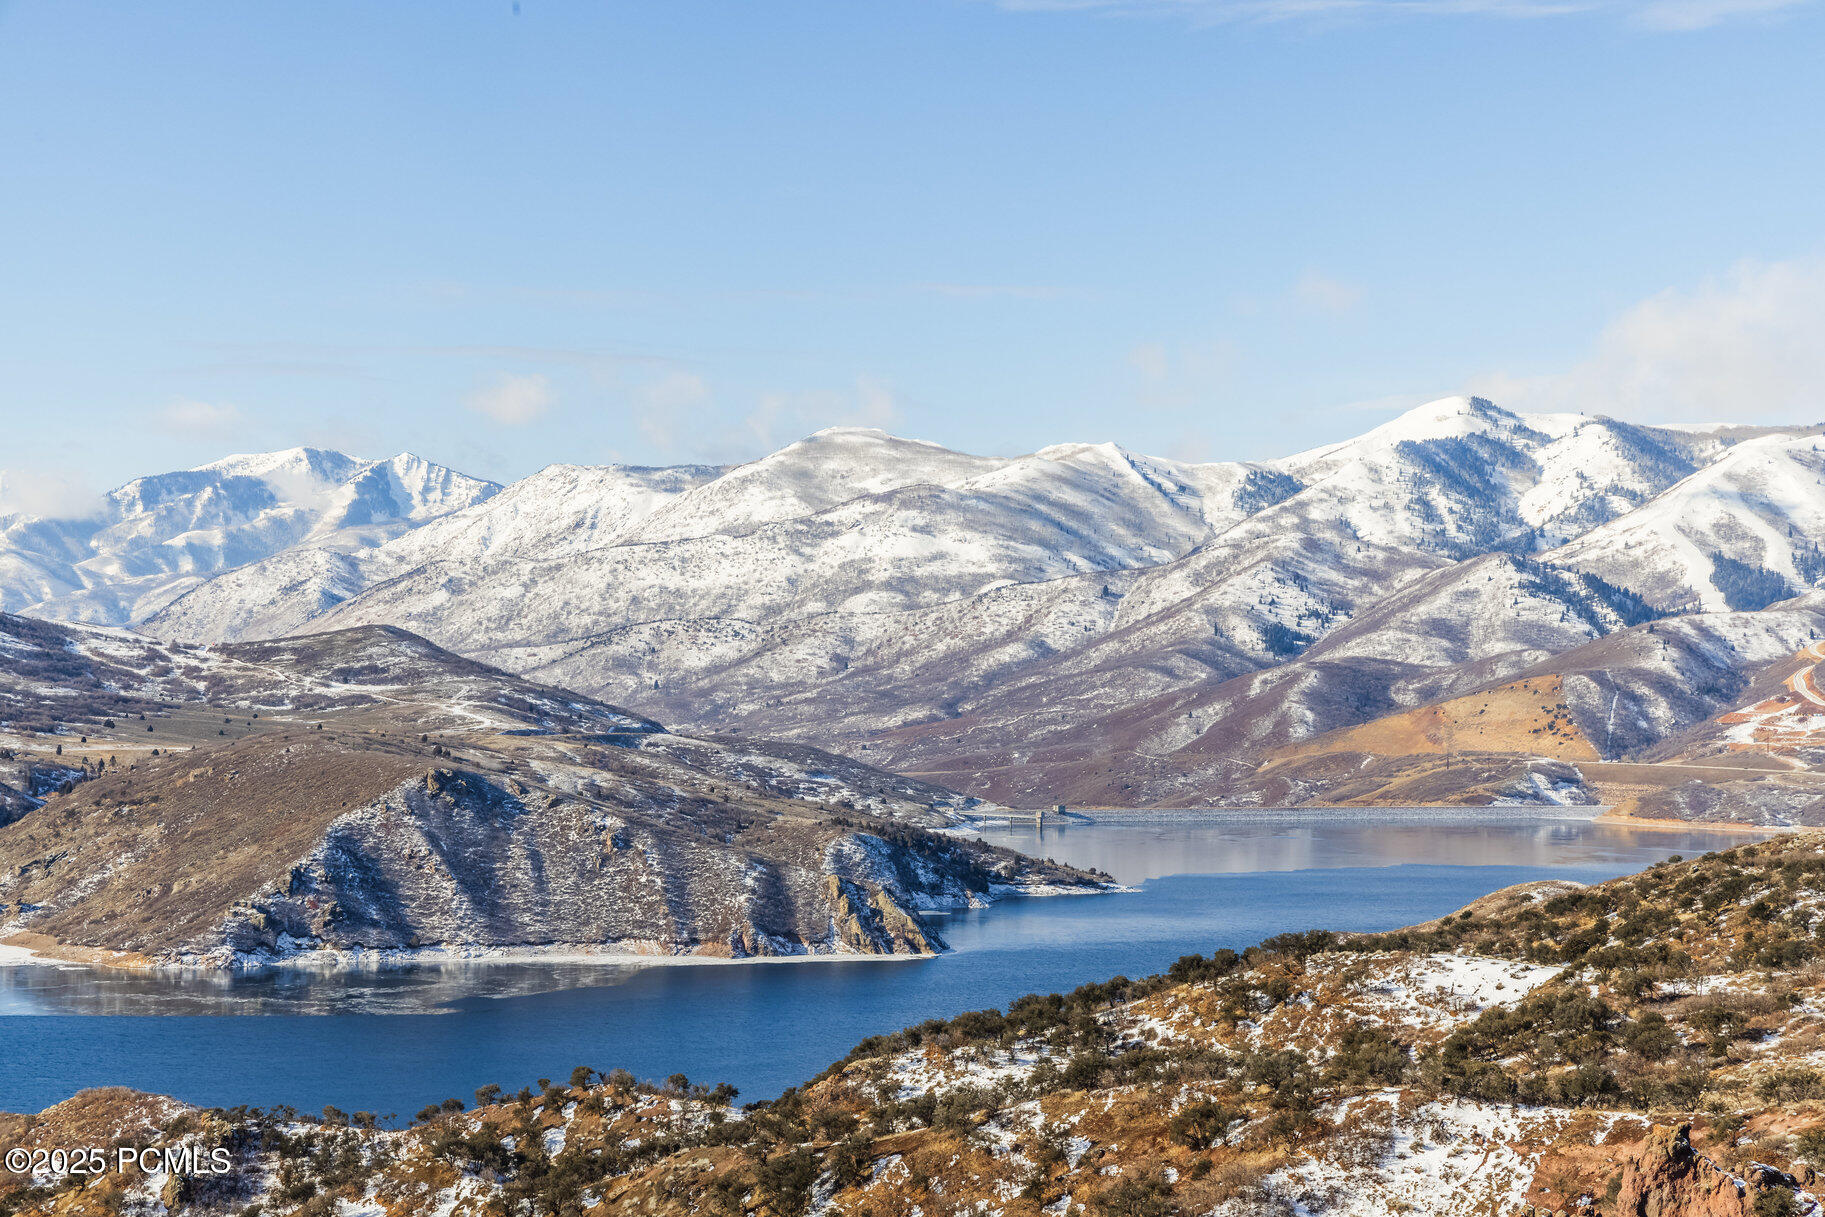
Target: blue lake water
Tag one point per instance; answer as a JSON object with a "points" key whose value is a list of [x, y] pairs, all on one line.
{"points": [[391, 1042]]}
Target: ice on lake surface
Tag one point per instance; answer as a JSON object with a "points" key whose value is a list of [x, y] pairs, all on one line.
{"points": [[394, 1040]]}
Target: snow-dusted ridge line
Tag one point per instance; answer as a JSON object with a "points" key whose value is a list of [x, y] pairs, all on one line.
{"points": [[953, 614]]}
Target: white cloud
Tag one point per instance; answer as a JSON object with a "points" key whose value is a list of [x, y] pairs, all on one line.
{"points": [[50, 493], [1748, 345], [1323, 294], [200, 417], [780, 418], [1666, 15], [514, 401]]}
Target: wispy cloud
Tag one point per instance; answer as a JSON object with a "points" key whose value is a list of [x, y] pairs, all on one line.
{"points": [[352, 358], [284, 368], [1182, 374], [452, 291], [684, 417], [1665, 15], [668, 410], [780, 418], [1748, 345], [200, 417], [1323, 294], [48, 493], [1001, 291], [1390, 404], [1681, 16], [513, 400]]}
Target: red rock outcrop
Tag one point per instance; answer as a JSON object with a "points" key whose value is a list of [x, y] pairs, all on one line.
{"points": [[1665, 1178]]}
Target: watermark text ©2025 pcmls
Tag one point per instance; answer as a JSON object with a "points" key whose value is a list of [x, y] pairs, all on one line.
{"points": [[93, 1160]]}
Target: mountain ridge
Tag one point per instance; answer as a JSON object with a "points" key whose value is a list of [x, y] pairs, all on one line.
{"points": [[941, 611]]}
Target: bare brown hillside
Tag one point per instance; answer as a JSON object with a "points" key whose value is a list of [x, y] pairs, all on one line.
{"points": [[364, 791]]}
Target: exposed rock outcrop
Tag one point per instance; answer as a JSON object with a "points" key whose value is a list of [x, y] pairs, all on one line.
{"points": [[873, 923], [1667, 1178], [1430, 1071]]}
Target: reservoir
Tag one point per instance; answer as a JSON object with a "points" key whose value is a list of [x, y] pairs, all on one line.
{"points": [[392, 1041]]}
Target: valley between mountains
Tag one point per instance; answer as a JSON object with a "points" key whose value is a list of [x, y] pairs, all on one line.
{"points": [[1463, 605]]}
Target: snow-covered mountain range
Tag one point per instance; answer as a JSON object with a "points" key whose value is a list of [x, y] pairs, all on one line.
{"points": [[1080, 620]]}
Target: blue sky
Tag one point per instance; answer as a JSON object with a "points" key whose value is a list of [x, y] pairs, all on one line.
{"points": [[679, 230]]}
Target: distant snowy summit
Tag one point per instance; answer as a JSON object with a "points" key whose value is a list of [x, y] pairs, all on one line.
{"points": [[156, 537]]}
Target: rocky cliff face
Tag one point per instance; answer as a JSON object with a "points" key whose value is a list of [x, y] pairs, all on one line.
{"points": [[26, 780], [464, 862]]}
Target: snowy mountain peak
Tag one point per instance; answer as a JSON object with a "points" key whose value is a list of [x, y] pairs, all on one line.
{"points": [[810, 475], [1108, 450], [1037, 614], [247, 462], [829, 439], [325, 464], [160, 535], [858, 434], [905, 572], [403, 461], [1446, 418]]}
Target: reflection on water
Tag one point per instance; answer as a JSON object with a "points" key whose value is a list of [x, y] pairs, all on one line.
{"points": [[417, 989], [1134, 849], [392, 1041]]}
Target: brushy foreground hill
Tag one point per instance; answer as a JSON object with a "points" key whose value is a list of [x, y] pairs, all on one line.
{"points": [[1654, 1045], [365, 792]]}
